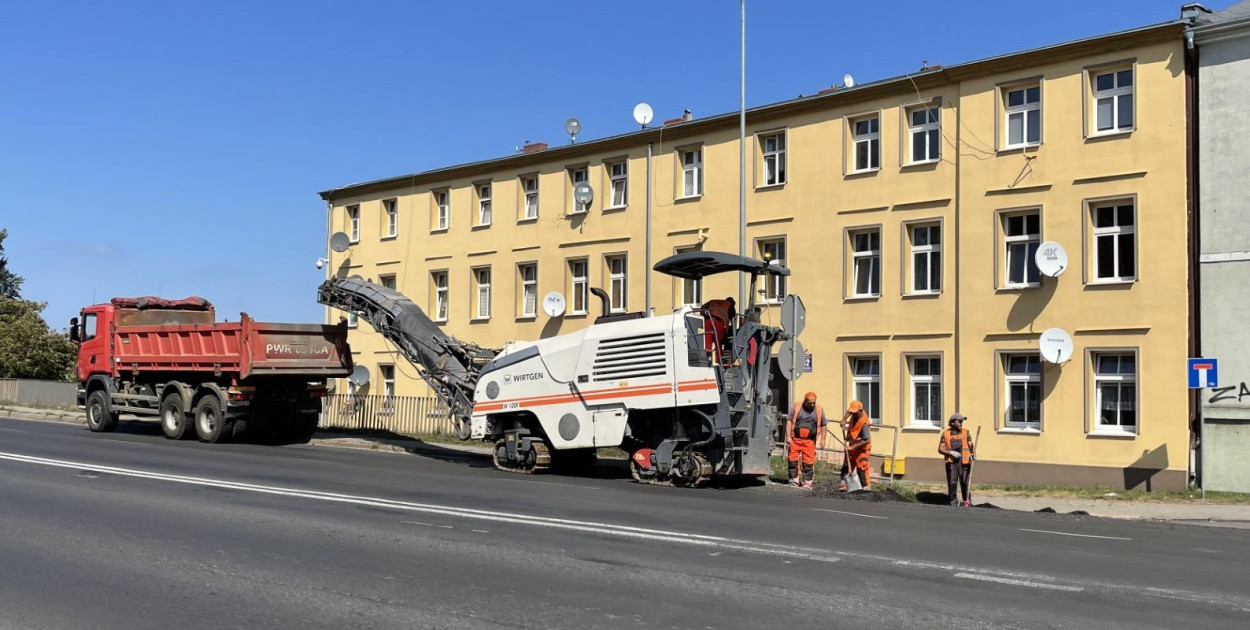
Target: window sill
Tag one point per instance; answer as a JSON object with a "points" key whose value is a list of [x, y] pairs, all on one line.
{"points": [[765, 187], [921, 428], [577, 213], [526, 318], [920, 164], [439, 321], [615, 208], [389, 238], [1018, 148], [1106, 135], [355, 242], [1108, 433], [439, 231], [481, 226], [688, 198], [1014, 288], [527, 220], [771, 302], [921, 296], [573, 314], [863, 173], [861, 298], [479, 319], [1020, 430], [1093, 284]]}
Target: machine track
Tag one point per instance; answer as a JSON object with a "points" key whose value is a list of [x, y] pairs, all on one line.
{"points": [[541, 460], [703, 475]]}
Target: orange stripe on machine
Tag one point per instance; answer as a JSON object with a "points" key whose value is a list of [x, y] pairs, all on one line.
{"points": [[601, 394]]}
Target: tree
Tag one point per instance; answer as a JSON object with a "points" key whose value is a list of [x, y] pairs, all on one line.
{"points": [[10, 283], [28, 348]]}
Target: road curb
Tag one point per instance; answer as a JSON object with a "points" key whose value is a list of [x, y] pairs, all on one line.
{"points": [[45, 415], [393, 446]]}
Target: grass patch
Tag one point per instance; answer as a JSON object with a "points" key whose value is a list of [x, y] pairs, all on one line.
{"points": [[1100, 492], [51, 407]]}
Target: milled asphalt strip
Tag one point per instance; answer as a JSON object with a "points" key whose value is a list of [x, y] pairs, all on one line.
{"points": [[1046, 531]]}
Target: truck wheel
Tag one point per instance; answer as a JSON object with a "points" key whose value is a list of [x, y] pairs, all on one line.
{"points": [[210, 422], [100, 416], [174, 420]]}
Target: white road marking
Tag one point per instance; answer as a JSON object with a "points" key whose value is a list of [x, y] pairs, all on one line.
{"points": [[851, 513], [426, 524], [14, 430], [481, 531], [125, 442], [1046, 531], [1014, 582], [624, 531]]}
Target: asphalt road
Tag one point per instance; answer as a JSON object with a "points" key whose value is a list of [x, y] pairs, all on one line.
{"points": [[129, 530]]}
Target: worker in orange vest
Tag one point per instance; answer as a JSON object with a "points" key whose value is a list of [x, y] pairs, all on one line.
{"points": [[857, 427], [720, 314], [957, 447], [805, 432]]}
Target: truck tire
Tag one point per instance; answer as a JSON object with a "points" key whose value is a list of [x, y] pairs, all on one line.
{"points": [[210, 423], [174, 421], [100, 416]]}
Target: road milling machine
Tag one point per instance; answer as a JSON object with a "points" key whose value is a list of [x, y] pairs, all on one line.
{"points": [[685, 404]]}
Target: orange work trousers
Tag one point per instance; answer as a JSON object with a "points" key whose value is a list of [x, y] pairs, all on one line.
{"points": [[804, 449]]}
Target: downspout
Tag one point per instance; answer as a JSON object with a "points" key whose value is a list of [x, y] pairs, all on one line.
{"points": [[958, 140], [329, 261], [1196, 423]]}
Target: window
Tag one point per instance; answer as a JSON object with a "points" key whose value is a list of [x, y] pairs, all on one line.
{"points": [[926, 258], [616, 282], [579, 176], [926, 135], [387, 281], [866, 133], [1113, 101], [1115, 242], [926, 391], [866, 263], [442, 210], [483, 204], [387, 373], [618, 172], [353, 319], [1022, 233], [691, 290], [481, 278], [774, 148], [531, 197], [438, 279], [1023, 116], [529, 289], [774, 251], [579, 286], [1115, 390], [391, 208], [89, 327], [1024, 391], [353, 223], [692, 172], [866, 382]]}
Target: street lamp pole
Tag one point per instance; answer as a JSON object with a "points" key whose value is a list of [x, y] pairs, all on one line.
{"points": [[743, 298]]}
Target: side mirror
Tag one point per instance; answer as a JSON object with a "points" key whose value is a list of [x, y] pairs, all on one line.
{"points": [[75, 336]]}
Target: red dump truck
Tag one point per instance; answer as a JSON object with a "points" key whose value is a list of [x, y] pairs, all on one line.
{"points": [[171, 360]]}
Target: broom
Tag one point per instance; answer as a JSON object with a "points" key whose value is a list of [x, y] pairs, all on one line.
{"points": [[975, 445]]}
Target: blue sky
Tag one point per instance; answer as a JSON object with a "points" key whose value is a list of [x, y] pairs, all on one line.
{"points": [[176, 148]]}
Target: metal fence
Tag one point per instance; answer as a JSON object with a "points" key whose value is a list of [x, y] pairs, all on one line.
{"points": [[403, 415], [32, 392]]}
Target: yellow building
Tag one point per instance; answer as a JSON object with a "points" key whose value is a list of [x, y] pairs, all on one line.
{"points": [[909, 211]]}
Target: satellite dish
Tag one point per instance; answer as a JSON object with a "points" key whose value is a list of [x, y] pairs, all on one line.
{"points": [[1051, 259], [643, 114], [339, 242], [360, 376], [848, 80], [553, 304], [583, 194], [573, 127], [1055, 345]]}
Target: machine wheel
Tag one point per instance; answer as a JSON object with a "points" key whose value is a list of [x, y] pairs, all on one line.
{"points": [[210, 422], [100, 416], [690, 469], [174, 421], [535, 460], [578, 461]]}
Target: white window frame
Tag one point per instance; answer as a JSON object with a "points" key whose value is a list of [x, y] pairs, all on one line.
{"points": [[577, 176], [442, 210], [394, 282], [530, 197], [691, 172], [386, 374], [871, 138], [1026, 379], [1027, 239], [481, 292], [773, 160], [353, 223], [618, 184], [1115, 96], [484, 204], [929, 252], [774, 289], [1022, 110], [390, 207], [442, 293], [931, 382], [867, 257], [353, 319], [930, 130], [579, 285], [1116, 234], [690, 291], [870, 381], [617, 281], [1118, 379], [529, 289]]}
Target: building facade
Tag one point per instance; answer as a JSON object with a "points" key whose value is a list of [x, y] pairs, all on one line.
{"points": [[909, 210]]}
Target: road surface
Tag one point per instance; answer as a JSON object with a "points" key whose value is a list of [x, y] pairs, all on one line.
{"points": [[129, 530]]}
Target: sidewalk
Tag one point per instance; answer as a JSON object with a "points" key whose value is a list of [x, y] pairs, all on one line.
{"points": [[1195, 512]]}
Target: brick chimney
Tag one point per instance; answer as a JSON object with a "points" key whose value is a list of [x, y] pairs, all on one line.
{"points": [[832, 88], [685, 117], [533, 147]]}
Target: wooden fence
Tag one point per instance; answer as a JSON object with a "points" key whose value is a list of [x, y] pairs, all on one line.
{"points": [[403, 415]]}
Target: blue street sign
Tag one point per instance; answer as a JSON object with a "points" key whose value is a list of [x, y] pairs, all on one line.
{"points": [[807, 362], [1203, 373]]}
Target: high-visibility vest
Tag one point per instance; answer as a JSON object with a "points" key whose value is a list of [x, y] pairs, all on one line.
{"points": [[856, 429], [794, 418], [718, 309], [964, 447]]}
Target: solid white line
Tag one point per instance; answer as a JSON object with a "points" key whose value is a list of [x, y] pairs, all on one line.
{"points": [[850, 513], [1002, 580], [14, 430], [610, 529], [1045, 531], [426, 524]]}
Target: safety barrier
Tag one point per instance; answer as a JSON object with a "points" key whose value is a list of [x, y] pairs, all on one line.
{"points": [[402, 415], [837, 456]]}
